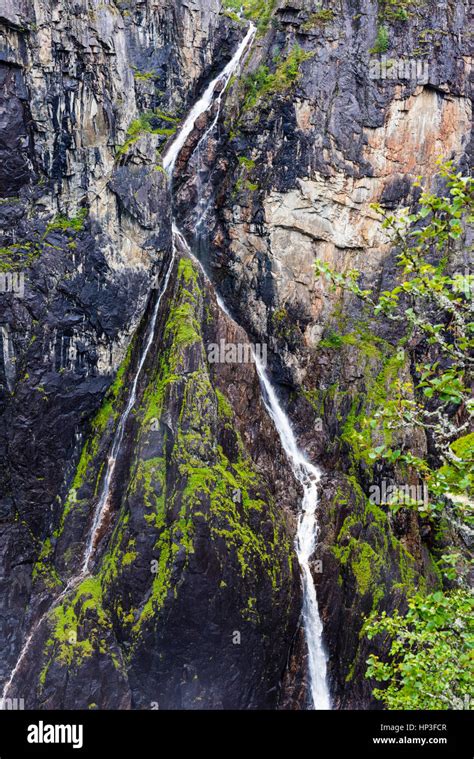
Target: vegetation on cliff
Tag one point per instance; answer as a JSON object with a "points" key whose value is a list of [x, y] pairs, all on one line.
{"points": [[432, 643]]}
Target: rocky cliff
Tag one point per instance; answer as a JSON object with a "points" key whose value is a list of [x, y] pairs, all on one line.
{"points": [[193, 598]]}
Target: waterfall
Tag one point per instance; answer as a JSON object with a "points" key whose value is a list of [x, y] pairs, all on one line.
{"points": [[306, 535], [169, 160], [305, 472], [103, 504], [205, 102]]}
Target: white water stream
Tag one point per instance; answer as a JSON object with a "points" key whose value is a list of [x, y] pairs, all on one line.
{"points": [[206, 101], [306, 535], [103, 504], [305, 472]]}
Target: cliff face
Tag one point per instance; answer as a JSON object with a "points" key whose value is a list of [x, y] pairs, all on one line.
{"points": [[193, 599], [91, 92], [319, 128]]}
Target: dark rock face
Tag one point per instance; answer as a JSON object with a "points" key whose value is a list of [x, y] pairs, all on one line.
{"points": [[195, 577], [15, 139], [193, 597], [89, 233]]}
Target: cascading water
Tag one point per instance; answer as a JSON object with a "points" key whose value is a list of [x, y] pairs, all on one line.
{"points": [[103, 503], [305, 472], [203, 105], [169, 160], [308, 476], [306, 535]]}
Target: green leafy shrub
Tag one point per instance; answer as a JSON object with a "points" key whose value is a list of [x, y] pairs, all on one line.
{"points": [[318, 19], [381, 42], [68, 224], [431, 645], [396, 10], [258, 11], [152, 122], [263, 82], [429, 664]]}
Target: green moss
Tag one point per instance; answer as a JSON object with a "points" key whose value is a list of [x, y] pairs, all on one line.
{"points": [[318, 19], [259, 11], [121, 554], [182, 324], [397, 10], [351, 672], [233, 16], [406, 566], [188, 273], [382, 41], [161, 581], [21, 255], [88, 470], [224, 407], [263, 82], [150, 122], [279, 315], [247, 163], [44, 568], [366, 547], [63, 223], [363, 564], [332, 341], [145, 76], [360, 337], [18, 256], [206, 484], [79, 625], [357, 431], [243, 182]]}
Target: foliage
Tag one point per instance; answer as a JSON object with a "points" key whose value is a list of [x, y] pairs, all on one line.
{"points": [[156, 122], [65, 224], [429, 663], [258, 11], [396, 10], [264, 82], [427, 389], [144, 76], [22, 254], [381, 44], [434, 311], [318, 19]]}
